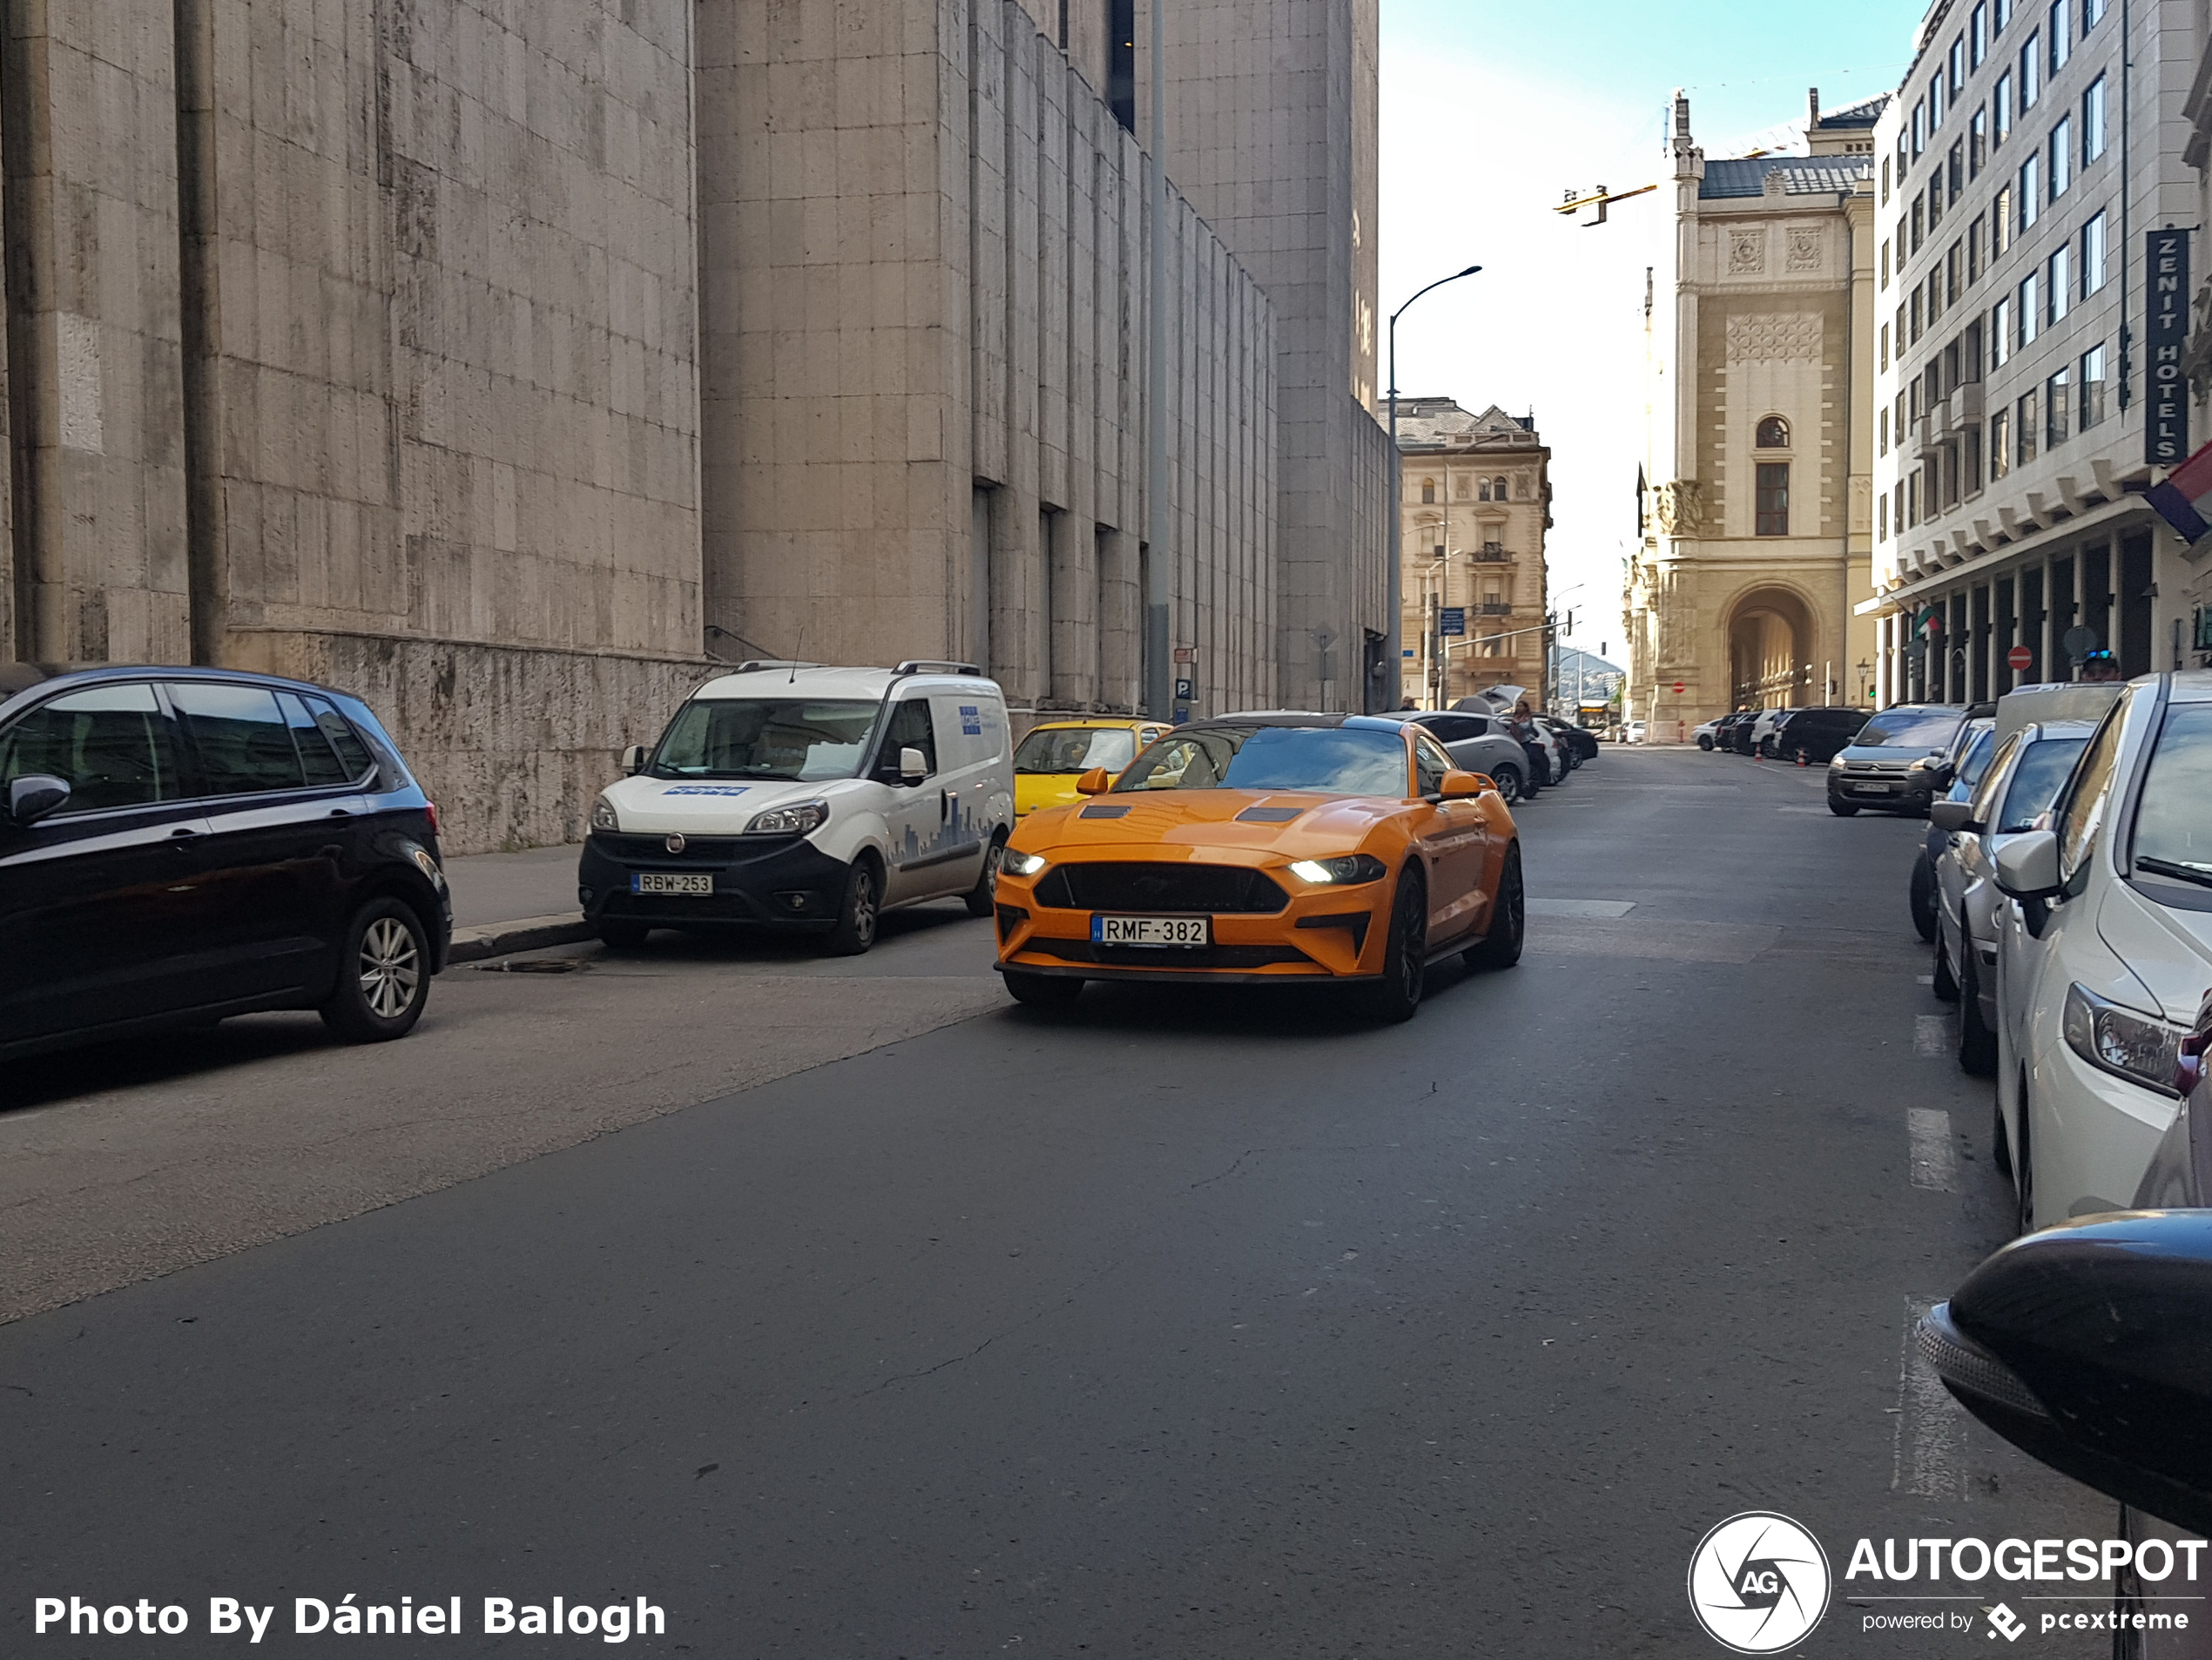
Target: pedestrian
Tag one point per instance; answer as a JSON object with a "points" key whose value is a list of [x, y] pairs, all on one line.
{"points": [[1409, 704], [2100, 665]]}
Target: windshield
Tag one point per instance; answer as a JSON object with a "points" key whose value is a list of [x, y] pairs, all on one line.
{"points": [[2174, 824], [1333, 761], [1921, 729], [2035, 782], [1061, 750], [799, 738]]}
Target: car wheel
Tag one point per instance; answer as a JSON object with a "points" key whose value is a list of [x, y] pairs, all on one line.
{"points": [[2001, 1149], [1977, 1043], [1922, 897], [1507, 779], [2023, 1167], [383, 974], [1706, 744], [1840, 810], [1042, 990], [1946, 977], [858, 908], [1398, 993], [978, 897], [623, 937], [1501, 947]]}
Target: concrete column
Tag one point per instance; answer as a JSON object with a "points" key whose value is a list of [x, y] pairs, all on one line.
{"points": [[1120, 621], [1018, 596], [1072, 549]]}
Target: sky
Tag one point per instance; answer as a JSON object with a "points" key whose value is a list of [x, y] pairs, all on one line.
{"points": [[1490, 112]]}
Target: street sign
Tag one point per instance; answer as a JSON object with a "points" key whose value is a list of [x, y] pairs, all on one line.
{"points": [[1186, 654], [2020, 657], [1680, 688], [1182, 692], [1451, 621], [2080, 642], [2166, 328]]}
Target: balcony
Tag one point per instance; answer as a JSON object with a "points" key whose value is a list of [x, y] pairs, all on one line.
{"points": [[1491, 553], [1492, 608]]}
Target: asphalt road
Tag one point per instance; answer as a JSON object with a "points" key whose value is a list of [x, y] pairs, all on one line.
{"points": [[1179, 1325]]}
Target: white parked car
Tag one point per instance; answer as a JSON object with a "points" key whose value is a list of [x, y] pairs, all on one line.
{"points": [[799, 797], [1701, 734], [1634, 731], [2103, 963]]}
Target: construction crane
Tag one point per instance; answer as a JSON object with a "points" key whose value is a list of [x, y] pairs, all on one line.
{"points": [[1601, 199]]}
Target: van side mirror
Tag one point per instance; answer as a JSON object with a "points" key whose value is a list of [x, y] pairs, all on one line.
{"points": [[31, 797], [1097, 781], [633, 760], [2027, 866], [914, 766], [1952, 816]]}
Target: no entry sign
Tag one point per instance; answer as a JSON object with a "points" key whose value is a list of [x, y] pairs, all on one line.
{"points": [[1679, 687], [2020, 657]]}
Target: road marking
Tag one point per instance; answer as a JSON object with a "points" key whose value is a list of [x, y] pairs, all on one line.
{"points": [[1928, 1459], [1934, 1157], [1924, 980], [1580, 906], [1934, 1036]]}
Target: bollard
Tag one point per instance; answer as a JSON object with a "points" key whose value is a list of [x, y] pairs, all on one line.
{"points": [[1801, 758]]}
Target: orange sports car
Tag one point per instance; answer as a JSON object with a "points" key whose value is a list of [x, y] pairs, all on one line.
{"points": [[1266, 848]]}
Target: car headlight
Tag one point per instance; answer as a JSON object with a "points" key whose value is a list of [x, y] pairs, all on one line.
{"points": [[603, 815], [2121, 1041], [1341, 872], [801, 818], [1021, 864]]}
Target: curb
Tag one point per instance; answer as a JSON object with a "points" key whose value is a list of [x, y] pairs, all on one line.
{"points": [[529, 934]]}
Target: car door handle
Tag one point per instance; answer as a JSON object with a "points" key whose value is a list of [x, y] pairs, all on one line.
{"points": [[341, 812], [183, 836]]}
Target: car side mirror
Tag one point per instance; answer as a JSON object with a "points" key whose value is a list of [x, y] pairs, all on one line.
{"points": [[34, 795], [1458, 786], [1097, 781], [2027, 866], [2089, 1345], [633, 760], [913, 765], [1952, 816]]}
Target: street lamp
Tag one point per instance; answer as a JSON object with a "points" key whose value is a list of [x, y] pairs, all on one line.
{"points": [[1395, 620]]}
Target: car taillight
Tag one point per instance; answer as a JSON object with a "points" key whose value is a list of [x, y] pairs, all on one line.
{"points": [[433, 808]]}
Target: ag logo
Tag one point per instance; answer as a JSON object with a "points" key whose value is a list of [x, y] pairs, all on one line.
{"points": [[1758, 1582]]}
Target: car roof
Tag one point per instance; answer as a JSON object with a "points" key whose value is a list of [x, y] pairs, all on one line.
{"points": [[2192, 686], [1304, 718], [1081, 722], [18, 678], [822, 681]]}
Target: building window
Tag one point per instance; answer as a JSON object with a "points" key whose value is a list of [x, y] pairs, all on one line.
{"points": [[1774, 498], [2061, 282], [1882, 429], [1885, 363], [1897, 426], [2031, 72], [1428, 491], [2031, 203], [1915, 304], [1912, 500], [2061, 35], [2092, 255], [1885, 262], [2004, 15], [1952, 273], [1120, 61], [2092, 121], [2000, 222], [1900, 161], [1885, 181], [2092, 391], [1919, 222], [1466, 488], [2031, 307], [1957, 67], [1970, 460], [1955, 168], [1935, 295], [2000, 444], [1975, 233], [2028, 419], [1773, 433], [2058, 404], [1920, 129], [2001, 110], [1882, 517], [2000, 332], [1483, 494], [1971, 342], [1935, 101], [1978, 34], [2092, 13], [1498, 492], [2061, 156], [1935, 198]]}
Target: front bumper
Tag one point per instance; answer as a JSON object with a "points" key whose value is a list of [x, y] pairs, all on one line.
{"points": [[1874, 790], [1320, 935], [784, 882]]}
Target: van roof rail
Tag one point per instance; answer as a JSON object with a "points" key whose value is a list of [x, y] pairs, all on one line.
{"points": [[931, 665], [756, 665]]}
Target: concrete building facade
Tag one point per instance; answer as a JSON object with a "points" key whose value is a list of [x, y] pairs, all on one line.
{"points": [[1755, 509], [2029, 156], [1474, 502]]}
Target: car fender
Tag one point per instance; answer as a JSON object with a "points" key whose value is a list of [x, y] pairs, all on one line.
{"points": [[854, 828]]}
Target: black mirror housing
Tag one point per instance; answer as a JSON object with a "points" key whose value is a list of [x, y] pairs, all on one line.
{"points": [[2089, 1345], [34, 795]]}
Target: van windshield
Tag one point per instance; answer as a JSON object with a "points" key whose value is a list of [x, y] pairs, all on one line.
{"points": [[797, 739]]}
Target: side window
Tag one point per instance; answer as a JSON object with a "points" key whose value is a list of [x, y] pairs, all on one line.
{"points": [[1430, 765], [1985, 799], [243, 741], [2082, 811], [318, 759], [343, 738], [909, 728], [113, 744]]}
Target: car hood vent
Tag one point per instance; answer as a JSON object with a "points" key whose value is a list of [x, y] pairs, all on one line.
{"points": [[1267, 815]]}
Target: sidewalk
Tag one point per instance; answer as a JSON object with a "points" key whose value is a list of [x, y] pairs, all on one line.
{"points": [[514, 901]]}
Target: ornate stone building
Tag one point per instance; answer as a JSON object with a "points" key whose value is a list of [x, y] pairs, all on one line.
{"points": [[1754, 511], [1474, 502]]}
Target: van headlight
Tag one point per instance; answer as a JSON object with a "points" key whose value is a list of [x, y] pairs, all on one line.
{"points": [[603, 815], [801, 818], [1341, 872], [1021, 864], [2121, 1041]]}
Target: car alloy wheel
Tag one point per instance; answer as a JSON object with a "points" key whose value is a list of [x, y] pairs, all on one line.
{"points": [[390, 967], [1501, 947], [858, 908], [979, 898], [1398, 993], [384, 977], [1508, 783]]}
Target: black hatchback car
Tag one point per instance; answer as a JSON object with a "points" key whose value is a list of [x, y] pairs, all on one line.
{"points": [[1815, 735], [180, 844]]}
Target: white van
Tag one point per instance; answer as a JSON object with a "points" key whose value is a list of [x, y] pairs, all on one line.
{"points": [[795, 796]]}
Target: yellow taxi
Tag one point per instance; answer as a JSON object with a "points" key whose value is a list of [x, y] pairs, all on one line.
{"points": [[1058, 753]]}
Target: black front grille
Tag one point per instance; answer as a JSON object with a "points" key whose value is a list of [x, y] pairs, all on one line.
{"points": [[655, 848], [1168, 959], [1223, 890]]}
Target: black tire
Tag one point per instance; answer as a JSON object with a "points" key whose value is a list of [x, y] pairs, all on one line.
{"points": [[1501, 947], [1977, 1043], [1946, 977], [1920, 894], [1395, 996], [979, 898], [623, 937], [2001, 1150], [1510, 790], [383, 974], [1705, 743], [1840, 810], [1042, 990], [860, 906]]}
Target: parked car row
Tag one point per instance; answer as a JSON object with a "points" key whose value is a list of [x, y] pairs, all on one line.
{"points": [[1810, 735]]}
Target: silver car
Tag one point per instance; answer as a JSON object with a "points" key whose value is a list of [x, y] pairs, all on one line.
{"points": [[1483, 743]]}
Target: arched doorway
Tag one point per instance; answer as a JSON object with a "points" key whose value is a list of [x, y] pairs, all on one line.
{"points": [[1770, 645]]}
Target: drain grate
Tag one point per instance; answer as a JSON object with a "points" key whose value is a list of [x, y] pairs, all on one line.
{"points": [[536, 965]]}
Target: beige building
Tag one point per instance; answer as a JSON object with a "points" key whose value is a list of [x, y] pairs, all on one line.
{"points": [[1755, 506], [1474, 503]]}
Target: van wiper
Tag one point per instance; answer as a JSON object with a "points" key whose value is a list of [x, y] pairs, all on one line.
{"points": [[2201, 874]]}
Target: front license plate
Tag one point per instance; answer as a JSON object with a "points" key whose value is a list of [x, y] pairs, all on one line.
{"points": [[654, 882], [1874, 789], [1151, 930]]}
